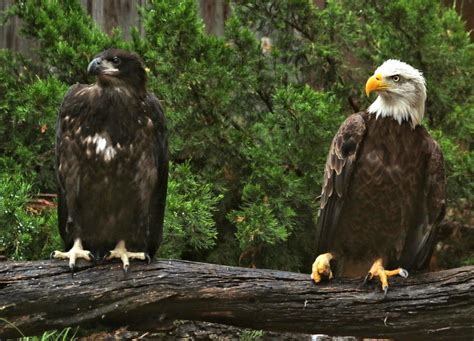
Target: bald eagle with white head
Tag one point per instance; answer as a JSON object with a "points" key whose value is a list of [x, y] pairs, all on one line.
{"points": [[383, 193]]}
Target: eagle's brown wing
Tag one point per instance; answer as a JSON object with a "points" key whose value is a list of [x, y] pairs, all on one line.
{"points": [[64, 145], [337, 175], [421, 238], [158, 198]]}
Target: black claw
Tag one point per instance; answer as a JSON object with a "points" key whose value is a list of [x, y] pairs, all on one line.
{"points": [[366, 279], [93, 260], [147, 258], [125, 272], [385, 290], [106, 255], [404, 273], [72, 268], [51, 255]]}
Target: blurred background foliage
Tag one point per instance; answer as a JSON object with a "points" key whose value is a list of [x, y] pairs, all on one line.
{"points": [[250, 114]]}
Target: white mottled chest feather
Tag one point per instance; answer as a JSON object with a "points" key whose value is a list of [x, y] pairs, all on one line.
{"points": [[101, 145]]}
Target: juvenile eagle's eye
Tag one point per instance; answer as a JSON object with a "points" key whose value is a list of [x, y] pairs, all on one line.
{"points": [[396, 78], [116, 60]]}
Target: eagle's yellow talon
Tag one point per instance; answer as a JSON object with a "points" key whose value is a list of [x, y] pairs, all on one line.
{"points": [[76, 252], [315, 277], [124, 255], [377, 270], [321, 267]]}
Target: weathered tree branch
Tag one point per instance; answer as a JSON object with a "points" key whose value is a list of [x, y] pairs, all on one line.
{"points": [[41, 295]]}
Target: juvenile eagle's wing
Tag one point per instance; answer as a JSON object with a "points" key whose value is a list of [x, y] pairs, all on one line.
{"points": [[421, 237], [70, 107], [158, 197], [337, 174]]}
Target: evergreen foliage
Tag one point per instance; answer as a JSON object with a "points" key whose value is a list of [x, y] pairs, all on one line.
{"points": [[249, 125]]}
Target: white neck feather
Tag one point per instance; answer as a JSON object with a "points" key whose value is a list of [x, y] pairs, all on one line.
{"points": [[406, 108]]}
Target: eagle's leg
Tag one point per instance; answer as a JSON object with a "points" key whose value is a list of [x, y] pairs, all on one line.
{"points": [[77, 251], [121, 252], [321, 267], [377, 270]]}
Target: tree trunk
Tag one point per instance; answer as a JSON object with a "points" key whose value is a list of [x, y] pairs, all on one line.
{"points": [[41, 295]]}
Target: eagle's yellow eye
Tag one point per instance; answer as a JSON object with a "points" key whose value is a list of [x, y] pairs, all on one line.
{"points": [[396, 78]]}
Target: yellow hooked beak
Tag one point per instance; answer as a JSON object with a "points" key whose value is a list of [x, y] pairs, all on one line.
{"points": [[375, 83]]}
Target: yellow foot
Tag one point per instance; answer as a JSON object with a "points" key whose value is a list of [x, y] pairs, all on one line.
{"points": [[377, 270], [121, 252], [74, 253], [321, 267]]}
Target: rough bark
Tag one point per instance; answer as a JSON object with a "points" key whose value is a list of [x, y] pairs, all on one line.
{"points": [[41, 295]]}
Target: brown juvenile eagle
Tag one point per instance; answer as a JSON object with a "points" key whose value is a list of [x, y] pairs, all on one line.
{"points": [[112, 164], [383, 192]]}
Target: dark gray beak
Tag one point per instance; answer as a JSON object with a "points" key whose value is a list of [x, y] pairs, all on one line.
{"points": [[94, 66]]}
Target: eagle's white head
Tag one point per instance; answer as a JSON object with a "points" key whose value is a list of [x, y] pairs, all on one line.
{"points": [[402, 92]]}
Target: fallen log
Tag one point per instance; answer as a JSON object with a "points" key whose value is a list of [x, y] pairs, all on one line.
{"points": [[41, 295]]}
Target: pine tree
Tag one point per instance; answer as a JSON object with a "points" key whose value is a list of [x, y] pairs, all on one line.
{"points": [[251, 114]]}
